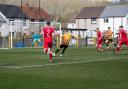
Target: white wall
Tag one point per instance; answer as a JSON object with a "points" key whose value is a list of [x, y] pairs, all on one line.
{"points": [[91, 26], [114, 23], [5, 29], [80, 23], [19, 26], [16, 27], [86, 24], [71, 25], [82, 33]]}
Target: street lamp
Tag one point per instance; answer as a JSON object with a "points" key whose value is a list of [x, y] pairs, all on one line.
{"points": [[39, 16], [21, 2], [39, 9]]}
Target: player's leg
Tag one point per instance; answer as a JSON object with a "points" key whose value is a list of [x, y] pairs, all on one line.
{"points": [[113, 43], [107, 43], [57, 50], [99, 45], [45, 47], [36, 44], [45, 50], [33, 43], [119, 46], [127, 43], [50, 54], [63, 51]]}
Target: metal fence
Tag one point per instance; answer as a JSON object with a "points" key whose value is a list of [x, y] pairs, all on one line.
{"points": [[20, 35], [27, 42]]}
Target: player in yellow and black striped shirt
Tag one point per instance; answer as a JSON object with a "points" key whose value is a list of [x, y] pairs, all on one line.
{"points": [[65, 42], [109, 38]]}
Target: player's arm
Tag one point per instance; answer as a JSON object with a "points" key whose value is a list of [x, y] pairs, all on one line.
{"points": [[42, 33], [55, 33], [127, 34], [72, 36], [119, 35]]}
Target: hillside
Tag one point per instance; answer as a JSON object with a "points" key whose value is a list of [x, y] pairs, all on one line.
{"points": [[60, 9]]}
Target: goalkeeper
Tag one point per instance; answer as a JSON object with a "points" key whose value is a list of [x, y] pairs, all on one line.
{"points": [[36, 38], [65, 43]]}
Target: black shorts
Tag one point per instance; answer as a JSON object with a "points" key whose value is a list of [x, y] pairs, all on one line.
{"points": [[63, 46], [110, 40]]}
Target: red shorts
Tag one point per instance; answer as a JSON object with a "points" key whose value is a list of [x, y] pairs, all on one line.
{"points": [[123, 41], [99, 42], [47, 43]]}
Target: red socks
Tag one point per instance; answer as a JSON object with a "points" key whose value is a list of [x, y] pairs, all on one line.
{"points": [[50, 55]]}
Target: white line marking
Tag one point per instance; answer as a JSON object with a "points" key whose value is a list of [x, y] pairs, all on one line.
{"points": [[66, 63]]}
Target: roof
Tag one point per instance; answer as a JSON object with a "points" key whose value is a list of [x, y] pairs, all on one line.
{"points": [[12, 11], [117, 11], [73, 20], [91, 12], [103, 11], [35, 13]]}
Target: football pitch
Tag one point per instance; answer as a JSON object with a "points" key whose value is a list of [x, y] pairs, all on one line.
{"points": [[79, 68]]}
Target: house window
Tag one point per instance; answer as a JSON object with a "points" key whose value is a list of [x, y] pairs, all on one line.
{"points": [[72, 25], [106, 20], [12, 20], [1, 25], [10, 33], [93, 20], [24, 22]]}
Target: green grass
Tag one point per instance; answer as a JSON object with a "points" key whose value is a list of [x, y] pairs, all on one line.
{"points": [[92, 73]]}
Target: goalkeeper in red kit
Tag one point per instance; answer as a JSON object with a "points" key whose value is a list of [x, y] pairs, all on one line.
{"points": [[122, 38]]}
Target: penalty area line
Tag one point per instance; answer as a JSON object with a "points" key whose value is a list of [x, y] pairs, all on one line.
{"points": [[66, 63]]}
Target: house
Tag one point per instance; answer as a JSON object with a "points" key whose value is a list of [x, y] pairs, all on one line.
{"points": [[71, 25], [37, 16], [88, 19], [3, 24], [20, 19], [102, 17], [114, 16], [12, 14], [35, 13]]}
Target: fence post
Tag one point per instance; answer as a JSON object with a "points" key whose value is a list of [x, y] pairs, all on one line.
{"points": [[77, 41], [57, 41], [9, 43], [86, 40]]}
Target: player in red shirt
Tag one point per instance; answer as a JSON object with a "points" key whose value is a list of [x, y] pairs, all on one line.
{"points": [[122, 38], [47, 33], [99, 40]]}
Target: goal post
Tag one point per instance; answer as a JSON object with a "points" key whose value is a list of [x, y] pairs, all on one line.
{"points": [[59, 30]]}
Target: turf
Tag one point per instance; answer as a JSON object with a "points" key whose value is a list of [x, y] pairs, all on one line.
{"points": [[79, 68]]}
